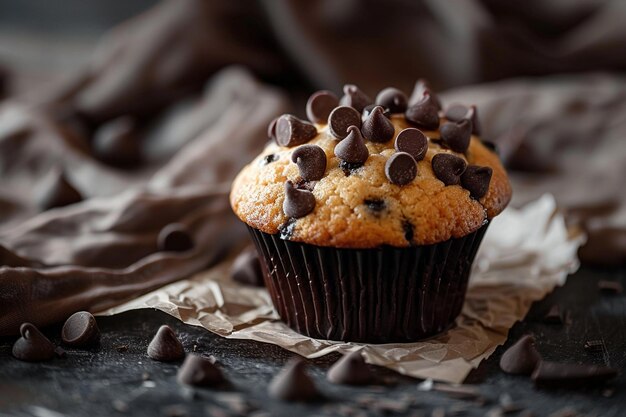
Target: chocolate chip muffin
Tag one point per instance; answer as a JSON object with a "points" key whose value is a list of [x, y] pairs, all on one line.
{"points": [[367, 218]]}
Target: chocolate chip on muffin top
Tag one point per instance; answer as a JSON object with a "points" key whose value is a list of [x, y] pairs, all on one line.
{"points": [[367, 169]]}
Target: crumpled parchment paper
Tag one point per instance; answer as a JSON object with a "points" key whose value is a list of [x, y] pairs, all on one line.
{"points": [[525, 254]]}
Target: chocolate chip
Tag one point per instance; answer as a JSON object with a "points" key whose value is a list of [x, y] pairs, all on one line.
{"points": [[476, 180], [351, 369], [200, 371], [375, 205], [610, 287], [354, 97], [291, 131], [393, 99], [297, 203], [401, 168], [174, 238], [368, 110], [456, 135], [80, 329], [377, 127], [420, 90], [560, 375], [246, 268], [293, 384], [165, 346], [117, 143], [409, 231], [348, 168], [58, 192], [521, 358], [448, 168], [553, 316], [341, 119], [33, 346], [352, 149], [413, 142], [424, 114], [594, 346], [319, 106], [271, 129], [458, 112], [472, 115], [268, 159], [311, 161]]}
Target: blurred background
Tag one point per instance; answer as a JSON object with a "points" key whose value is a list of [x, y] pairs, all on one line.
{"points": [[100, 98]]}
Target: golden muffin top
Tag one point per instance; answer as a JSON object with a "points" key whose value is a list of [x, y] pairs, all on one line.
{"points": [[364, 173]]}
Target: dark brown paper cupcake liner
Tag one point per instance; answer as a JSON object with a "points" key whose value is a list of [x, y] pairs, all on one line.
{"points": [[377, 295]]}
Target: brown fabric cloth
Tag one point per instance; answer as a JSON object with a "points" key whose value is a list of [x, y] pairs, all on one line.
{"points": [[103, 250], [561, 134]]}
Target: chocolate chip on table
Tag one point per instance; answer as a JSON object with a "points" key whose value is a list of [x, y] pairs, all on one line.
{"points": [[422, 88], [311, 161], [319, 106], [476, 180], [377, 127], [80, 329], [424, 114], [352, 149], [165, 346], [354, 97], [561, 375], [341, 119], [297, 203], [246, 268], [553, 316], [32, 346], [456, 135], [392, 99], [293, 384], [448, 168], [368, 110], [375, 205], [594, 345], [268, 159], [458, 112], [610, 287], [174, 238], [401, 168], [200, 371], [521, 358], [351, 369], [117, 143], [413, 142], [58, 192], [291, 131]]}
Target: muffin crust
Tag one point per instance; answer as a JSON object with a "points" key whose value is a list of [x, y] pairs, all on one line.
{"points": [[361, 208]]}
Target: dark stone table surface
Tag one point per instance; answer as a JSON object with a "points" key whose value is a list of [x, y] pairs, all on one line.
{"points": [[117, 378]]}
